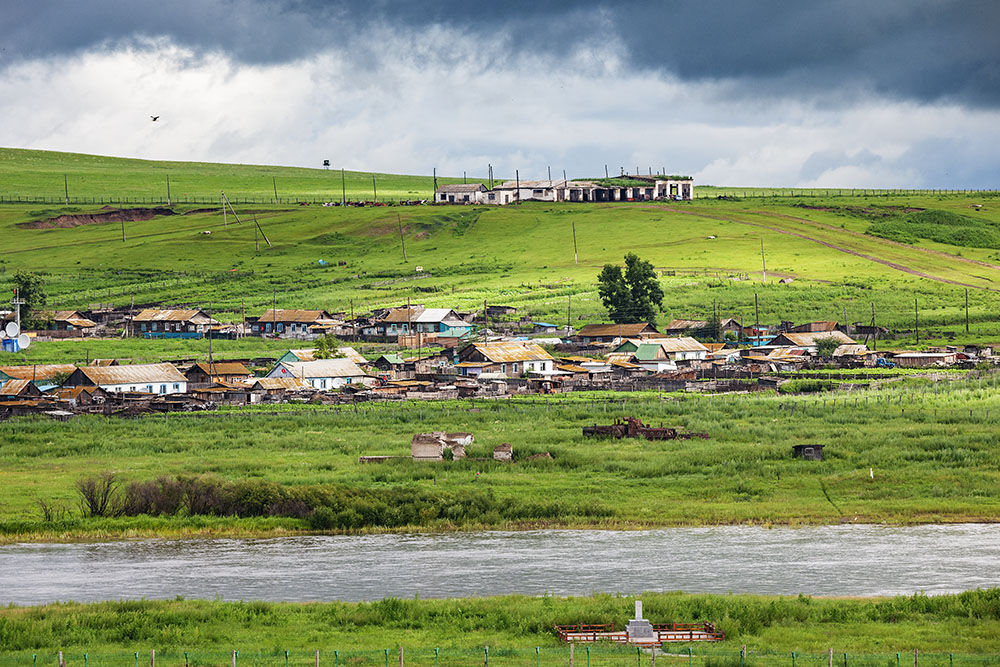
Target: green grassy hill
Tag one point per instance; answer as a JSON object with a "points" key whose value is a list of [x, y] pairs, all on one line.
{"points": [[51, 176], [708, 252]]}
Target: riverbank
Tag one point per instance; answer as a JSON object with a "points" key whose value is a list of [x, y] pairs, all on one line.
{"points": [[968, 623]]}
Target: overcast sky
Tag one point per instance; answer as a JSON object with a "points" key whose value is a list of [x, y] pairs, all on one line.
{"points": [[848, 93]]}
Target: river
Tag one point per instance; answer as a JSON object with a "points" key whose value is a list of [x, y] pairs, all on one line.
{"points": [[849, 560]]}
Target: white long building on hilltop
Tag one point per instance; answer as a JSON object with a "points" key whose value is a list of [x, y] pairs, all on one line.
{"points": [[630, 188]]}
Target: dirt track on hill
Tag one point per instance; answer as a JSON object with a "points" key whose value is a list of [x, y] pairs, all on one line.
{"points": [[899, 267]]}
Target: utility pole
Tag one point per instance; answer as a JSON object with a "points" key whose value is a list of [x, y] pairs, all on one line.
{"points": [[762, 262], [966, 310], [874, 330], [243, 309], [517, 179], [274, 184], [847, 327], [606, 171], [916, 321], [756, 311], [576, 257], [401, 240], [435, 180], [66, 187], [374, 190], [17, 303], [343, 189], [550, 174], [274, 312], [486, 320], [465, 178], [123, 229], [222, 201], [168, 189]]}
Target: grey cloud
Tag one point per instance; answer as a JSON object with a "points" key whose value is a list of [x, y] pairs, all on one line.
{"points": [[925, 50]]}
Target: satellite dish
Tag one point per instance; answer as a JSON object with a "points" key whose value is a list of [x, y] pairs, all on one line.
{"points": [[23, 341], [12, 329]]}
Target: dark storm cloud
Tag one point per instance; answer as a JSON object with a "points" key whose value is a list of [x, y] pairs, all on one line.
{"points": [[924, 50]]}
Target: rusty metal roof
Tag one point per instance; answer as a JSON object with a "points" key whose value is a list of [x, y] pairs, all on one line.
{"points": [[682, 344], [37, 371], [222, 368], [621, 330], [461, 188], [133, 373], [500, 353], [809, 339], [175, 315], [13, 387], [321, 368]]}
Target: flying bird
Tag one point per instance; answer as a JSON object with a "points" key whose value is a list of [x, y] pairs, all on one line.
{"points": [[154, 118]]}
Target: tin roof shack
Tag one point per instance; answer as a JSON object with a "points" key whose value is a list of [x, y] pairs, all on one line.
{"points": [[205, 373], [273, 390], [925, 359], [393, 367], [608, 333], [460, 193], [322, 374], [175, 323], [143, 378], [80, 396], [701, 327], [45, 376], [813, 327], [808, 452], [432, 446], [15, 390], [510, 359], [304, 324]]}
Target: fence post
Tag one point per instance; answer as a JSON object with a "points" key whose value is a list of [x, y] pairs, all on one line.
{"points": [[652, 656], [897, 659], [84, 660], [286, 658], [743, 654], [386, 657], [914, 657], [400, 656], [61, 663], [152, 657], [536, 656], [571, 646], [486, 656], [793, 658], [186, 658], [336, 659], [951, 660], [689, 656], [845, 660], [136, 659], [317, 657], [829, 659], [588, 656], [436, 654]]}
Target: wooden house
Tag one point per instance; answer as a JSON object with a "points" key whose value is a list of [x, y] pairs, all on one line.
{"points": [[16, 390], [142, 378], [67, 320], [510, 359], [173, 323], [204, 372], [294, 323], [322, 374]]}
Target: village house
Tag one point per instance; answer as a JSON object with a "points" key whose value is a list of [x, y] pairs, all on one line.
{"points": [[924, 359], [305, 324], [430, 322], [176, 323], [205, 372], [80, 396], [393, 367], [310, 355], [812, 327], [322, 374], [273, 389], [67, 320], [511, 359], [609, 333], [144, 378], [701, 327]]}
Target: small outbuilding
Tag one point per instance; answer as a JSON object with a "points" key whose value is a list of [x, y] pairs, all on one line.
{"points": [[808, 452]]}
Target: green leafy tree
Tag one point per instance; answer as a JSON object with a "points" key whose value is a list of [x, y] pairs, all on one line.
{"points": [[825, 347], [31, 289], [322, 349], [632, 295]]}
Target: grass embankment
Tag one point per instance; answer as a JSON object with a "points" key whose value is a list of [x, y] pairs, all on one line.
{"points": [[708, 252], [931, 449], [967, 623]]}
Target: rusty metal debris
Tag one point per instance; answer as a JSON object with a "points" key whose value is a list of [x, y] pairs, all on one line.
{"points": [[630, 427]]}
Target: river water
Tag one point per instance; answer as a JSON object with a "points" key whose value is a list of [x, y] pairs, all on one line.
{"points": [[826, 560]]}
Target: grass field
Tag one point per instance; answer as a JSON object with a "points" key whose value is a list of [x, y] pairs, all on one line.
{"points": [[930, 447], [870, 630]]}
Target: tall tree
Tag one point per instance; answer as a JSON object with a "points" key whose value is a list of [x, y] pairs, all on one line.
{"points": [[31, 290], [632, 295]]}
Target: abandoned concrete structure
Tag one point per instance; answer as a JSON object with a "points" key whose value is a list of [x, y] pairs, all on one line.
{"points": [[628, 188], [432, 446]]}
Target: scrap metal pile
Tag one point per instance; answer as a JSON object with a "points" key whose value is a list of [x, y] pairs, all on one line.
{"points": [[630, 427]]}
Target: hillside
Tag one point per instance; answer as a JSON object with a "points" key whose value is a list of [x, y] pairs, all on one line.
{"points": [[708, 252]]}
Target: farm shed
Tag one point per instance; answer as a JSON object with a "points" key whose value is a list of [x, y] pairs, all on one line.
{"points": [[144, 378], [807, 341], [925, 359], [67, 320], [460, 193], [205, 372], [808, 452], [14, 390]]}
